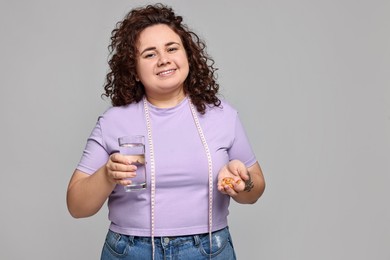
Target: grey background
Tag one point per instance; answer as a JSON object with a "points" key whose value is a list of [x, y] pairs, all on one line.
{"points": [[309, 78]]}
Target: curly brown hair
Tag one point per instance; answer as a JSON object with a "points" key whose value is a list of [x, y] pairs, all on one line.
{"points": [[121, 85]]}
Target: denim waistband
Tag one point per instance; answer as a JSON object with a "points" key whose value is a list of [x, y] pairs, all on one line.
{"points": [[196, 238], [198, 246]]}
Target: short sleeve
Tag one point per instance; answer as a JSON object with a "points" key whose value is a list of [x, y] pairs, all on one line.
{"points": [[95, 154], [241, 148]]}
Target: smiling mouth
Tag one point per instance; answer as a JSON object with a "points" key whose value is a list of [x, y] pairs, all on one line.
{"points": [[166, 72]]}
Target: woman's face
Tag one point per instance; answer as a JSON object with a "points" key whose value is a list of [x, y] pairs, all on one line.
{"points": [[162, 64]]}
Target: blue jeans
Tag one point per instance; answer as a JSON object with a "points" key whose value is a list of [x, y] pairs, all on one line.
{"points": [[194, 247]]}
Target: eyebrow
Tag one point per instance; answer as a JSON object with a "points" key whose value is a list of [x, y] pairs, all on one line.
{"points": [[154, 48]]}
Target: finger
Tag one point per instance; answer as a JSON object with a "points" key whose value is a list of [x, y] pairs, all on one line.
{"points": [[120, 167], [230, 191], [124, 182], [119, 158], [120, 175], [221, 189], [244, 174], [234, 166], [239, 186], [238, 168]]}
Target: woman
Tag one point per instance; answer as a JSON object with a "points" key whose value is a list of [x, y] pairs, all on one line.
{"points": [[162, 85]]}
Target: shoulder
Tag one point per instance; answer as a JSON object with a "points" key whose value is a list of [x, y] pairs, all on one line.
{"points": [[121, 116], [223, 114], [118, 121], [113, 113]]}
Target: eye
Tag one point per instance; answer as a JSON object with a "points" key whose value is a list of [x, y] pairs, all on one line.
{"points": [[172, 49], [149, 55]]}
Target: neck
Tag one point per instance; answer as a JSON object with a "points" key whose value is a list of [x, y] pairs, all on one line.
{"points": [[167, 101]]}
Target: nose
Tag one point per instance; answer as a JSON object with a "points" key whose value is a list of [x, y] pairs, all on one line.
{"points": [[163, 60]]}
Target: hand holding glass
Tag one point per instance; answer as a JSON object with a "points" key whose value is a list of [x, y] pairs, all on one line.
{"points": [[133, 147]]}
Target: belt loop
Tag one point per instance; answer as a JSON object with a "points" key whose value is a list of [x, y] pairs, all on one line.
{"points": [[131, 240], [161, 241], [196, 240]]}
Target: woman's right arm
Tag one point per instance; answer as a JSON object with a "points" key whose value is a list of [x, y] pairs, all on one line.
{"points": [[87, 193]]}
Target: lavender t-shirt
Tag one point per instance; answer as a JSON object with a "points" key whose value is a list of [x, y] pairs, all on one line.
{"points": [[181, 202]]}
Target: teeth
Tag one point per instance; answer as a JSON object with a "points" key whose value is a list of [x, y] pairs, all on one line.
{"points": [[165, 72]]}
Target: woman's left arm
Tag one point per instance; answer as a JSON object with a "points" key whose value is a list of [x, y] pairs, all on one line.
{"points": [[247, 184]]}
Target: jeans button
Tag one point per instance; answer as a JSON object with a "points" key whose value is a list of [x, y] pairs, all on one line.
{"points": [[166, 240]]}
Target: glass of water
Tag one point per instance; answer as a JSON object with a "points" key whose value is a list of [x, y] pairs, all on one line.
{"points": [[133, 147]]}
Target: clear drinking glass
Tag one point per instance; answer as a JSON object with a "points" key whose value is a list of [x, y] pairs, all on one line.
{"points": [[133, 147]]}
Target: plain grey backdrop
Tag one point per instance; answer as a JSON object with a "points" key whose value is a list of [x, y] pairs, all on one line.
{"points": [[310, 79]]}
